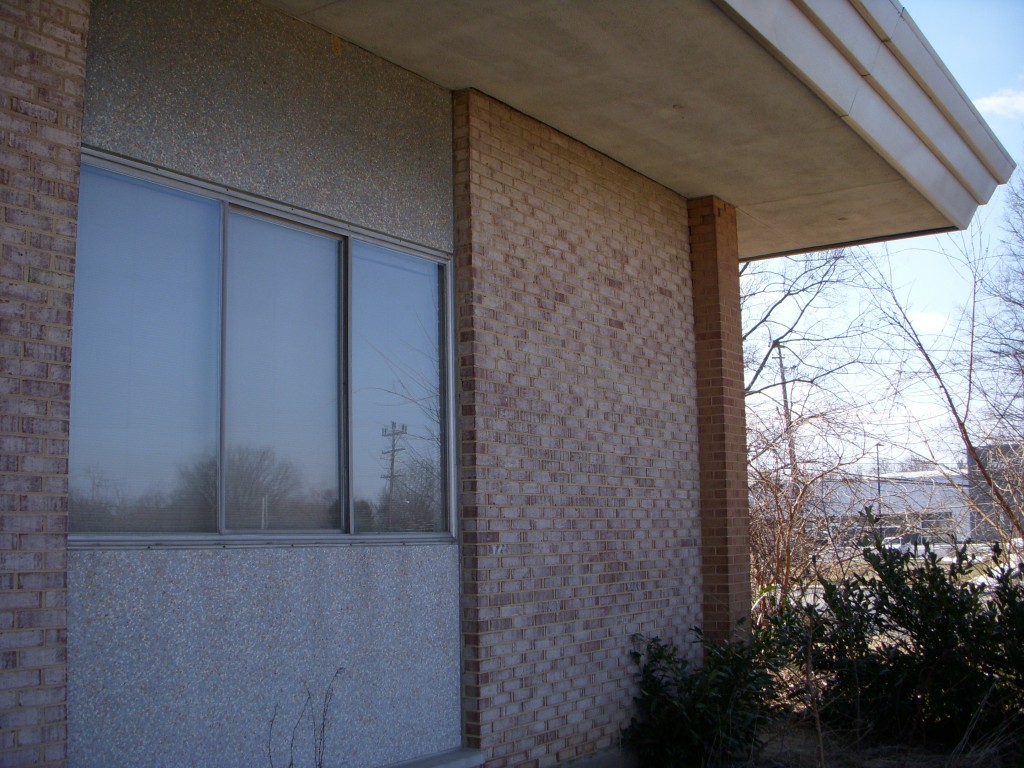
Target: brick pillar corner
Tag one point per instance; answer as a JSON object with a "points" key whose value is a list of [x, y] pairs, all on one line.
{"points": [[42, 58], [725, 516]]}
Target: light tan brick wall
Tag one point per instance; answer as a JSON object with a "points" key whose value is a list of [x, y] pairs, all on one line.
{"points": [[42, 78], [725, 517], [578, 427]]}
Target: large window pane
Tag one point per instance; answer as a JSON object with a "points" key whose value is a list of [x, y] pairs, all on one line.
{"points": [[397, 436], [144, 370], [280, 378], [223, 382]]}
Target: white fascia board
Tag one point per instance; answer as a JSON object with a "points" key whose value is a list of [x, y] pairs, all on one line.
{"points": [[916, 54], [902, 92], [873, 118], [846, 30], [882, 15], [828, 45], [887, 75]]}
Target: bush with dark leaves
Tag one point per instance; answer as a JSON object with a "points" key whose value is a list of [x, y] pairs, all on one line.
{"points": [[698, 715]]}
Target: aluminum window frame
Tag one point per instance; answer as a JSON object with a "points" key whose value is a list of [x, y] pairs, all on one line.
{"points": [[281, 213]]}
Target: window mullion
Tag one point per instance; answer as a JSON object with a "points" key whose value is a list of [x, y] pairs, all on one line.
{"points": [[446, 348], [221, 363], [347, 520]]}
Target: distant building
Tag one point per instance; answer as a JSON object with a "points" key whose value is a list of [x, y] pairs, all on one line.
{"points": [[931, 502], [1004, 463]]}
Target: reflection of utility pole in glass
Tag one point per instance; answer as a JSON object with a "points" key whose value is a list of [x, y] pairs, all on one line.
{"points": [[397, 431]]}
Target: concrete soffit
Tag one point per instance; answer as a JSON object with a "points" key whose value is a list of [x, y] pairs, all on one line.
{"points": [[824, 122]]}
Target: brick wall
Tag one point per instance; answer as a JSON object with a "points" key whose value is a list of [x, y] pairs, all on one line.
{"points": [[578, 427], [725, 516], [42, 78]]}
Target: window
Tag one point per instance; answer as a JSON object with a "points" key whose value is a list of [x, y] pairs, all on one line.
{"points": [[234, 373]]}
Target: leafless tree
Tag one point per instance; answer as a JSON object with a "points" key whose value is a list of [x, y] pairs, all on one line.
{"points": [[975, 369], [806, 333], [831, 348], [791, 525], [802, 304]]}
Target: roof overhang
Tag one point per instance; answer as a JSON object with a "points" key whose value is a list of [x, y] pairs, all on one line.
{"points": [[825, 122]]}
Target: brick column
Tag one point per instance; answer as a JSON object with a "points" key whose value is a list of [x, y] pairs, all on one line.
{"points": [[579, 473], [42, 82], [725, 516]]}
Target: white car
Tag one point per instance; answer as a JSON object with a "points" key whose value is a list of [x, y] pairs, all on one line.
{"points": [[897, 542]]}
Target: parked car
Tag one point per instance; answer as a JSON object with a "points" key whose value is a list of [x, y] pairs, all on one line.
{"points": [[914, 543], [896, 542]]}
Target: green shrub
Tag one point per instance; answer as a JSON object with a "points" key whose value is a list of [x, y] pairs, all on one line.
{"points": [[1007, 605], [914, 651], [697, 716]]}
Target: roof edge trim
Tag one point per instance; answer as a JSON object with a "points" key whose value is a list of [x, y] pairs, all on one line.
{"points": [[891, 89], [907, 43]]}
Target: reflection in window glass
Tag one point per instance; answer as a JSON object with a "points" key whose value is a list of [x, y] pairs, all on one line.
{"points": [[222, 381], [144, 400], [280, 377], [396, 411]]}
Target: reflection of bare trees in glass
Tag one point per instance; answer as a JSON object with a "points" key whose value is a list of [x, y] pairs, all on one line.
{"points": [[261, 492], [418, 499], [104, 506]]}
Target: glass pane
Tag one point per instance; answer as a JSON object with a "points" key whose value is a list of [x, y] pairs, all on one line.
{"points": [[144, 370], [397, 437], [280, 378]]}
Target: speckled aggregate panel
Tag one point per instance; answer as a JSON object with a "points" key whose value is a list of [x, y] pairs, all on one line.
{"points": [[179, 657], [237, 94]]}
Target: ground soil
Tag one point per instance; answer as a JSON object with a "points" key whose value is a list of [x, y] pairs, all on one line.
{"points": [[797, 745]]}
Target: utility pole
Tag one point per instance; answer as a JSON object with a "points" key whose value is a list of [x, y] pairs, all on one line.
{"points": [[788, 417], [878, 480], [794, 491]]}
